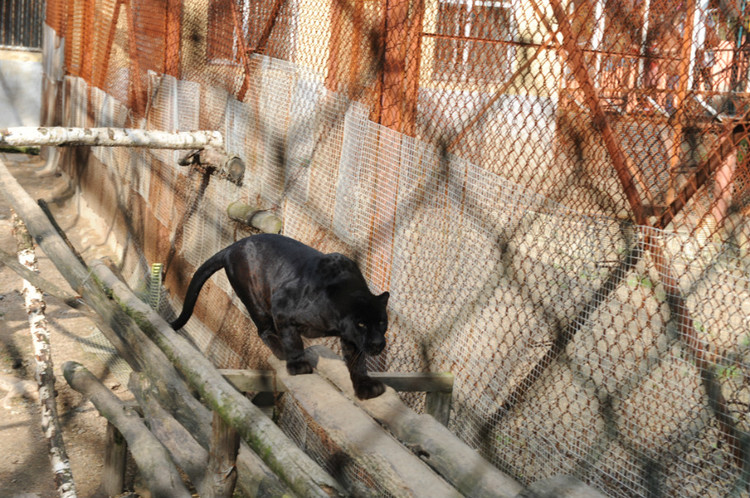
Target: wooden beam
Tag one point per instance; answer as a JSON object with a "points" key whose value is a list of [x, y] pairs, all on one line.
{"points": [[109, 137], [266, 381]]}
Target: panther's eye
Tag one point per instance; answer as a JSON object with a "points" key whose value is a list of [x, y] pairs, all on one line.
{"points": [[361, 325]]}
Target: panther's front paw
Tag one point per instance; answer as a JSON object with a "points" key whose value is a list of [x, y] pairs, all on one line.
{"points": [[298, 367], [366, 388]]}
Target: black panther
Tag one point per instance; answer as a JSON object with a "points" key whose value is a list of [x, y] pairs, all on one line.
{"points": [[292, 291]]}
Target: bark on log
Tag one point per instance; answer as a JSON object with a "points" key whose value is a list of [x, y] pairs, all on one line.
{"points": [[360, 441], [44, 373], [156, 466], [124, 334], [25, 136], [456, 462], [290, 463]]}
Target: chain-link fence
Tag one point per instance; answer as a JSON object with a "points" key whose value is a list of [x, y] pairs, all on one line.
{"points": [[555, 194]]}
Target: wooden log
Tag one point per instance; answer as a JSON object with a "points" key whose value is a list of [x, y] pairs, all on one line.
{"points": [[25, 136], [254, 477], [124, 334], [456, 462], [44, 372], [290, 463], [265, 221], [115, 460], [154, 463], [358, 440]]}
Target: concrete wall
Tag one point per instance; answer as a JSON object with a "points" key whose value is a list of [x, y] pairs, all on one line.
{"points": [[20, 88]]}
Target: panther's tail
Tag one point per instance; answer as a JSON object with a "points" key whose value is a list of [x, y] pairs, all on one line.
{"points": [[211, 266]]}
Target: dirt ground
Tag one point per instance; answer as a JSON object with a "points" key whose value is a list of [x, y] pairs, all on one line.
{"points": [[25, 469]]}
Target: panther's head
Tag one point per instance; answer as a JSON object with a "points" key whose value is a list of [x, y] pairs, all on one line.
{"points": [[366, 323]]}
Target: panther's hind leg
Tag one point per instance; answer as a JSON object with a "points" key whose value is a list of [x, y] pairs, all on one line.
{"points": [[262, 319], [294, 349], [271, 339]]}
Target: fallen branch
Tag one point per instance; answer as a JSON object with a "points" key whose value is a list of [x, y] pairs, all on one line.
{"points": [[44, 373], [297, 469], [153, 460]]}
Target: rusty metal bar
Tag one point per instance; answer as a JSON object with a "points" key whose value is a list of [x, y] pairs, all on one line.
{"points": [[628, 175], [260, 47], [727, 144]]}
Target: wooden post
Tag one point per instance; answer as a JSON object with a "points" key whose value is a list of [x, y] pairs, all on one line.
{"points": [[222, 459], [115, 459], [438, 405]]}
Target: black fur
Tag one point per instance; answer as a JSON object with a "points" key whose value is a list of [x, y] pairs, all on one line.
{"points": [[292, 290]]}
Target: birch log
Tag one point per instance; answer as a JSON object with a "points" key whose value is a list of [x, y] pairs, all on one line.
{"points": [[153, 460], [45, 377], [32, 136]]}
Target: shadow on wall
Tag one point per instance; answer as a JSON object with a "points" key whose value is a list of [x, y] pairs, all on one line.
{"points": [[20, 88]]}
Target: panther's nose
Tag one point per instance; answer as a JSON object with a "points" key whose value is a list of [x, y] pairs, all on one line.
{"points": [[377, 345]]}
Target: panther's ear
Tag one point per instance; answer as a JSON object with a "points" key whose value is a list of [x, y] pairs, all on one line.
{"points": [[383, 299]]}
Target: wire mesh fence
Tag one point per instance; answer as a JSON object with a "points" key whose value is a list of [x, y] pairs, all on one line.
{"points": [[555, 194]]}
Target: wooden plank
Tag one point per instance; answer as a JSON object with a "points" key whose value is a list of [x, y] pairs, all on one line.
{"points": [[456, 462], [357, 439]]}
